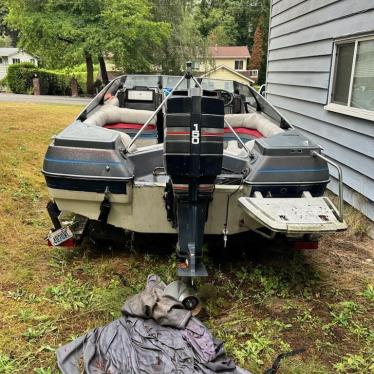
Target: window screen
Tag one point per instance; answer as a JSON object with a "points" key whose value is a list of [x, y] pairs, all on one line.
{"points": [[343, 70], [195, 64], [353, 84], [363, 81]]}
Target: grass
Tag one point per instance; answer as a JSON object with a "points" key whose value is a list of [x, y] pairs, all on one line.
{"points": [[263, 300]]}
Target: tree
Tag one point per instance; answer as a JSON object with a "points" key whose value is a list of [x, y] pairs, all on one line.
{"points": [[234, 22], [132, 35], [65, 32], [8, 36], [222, 28], [184, 42], [58, 31], [216, 23], [257, 52], [264, 11]]}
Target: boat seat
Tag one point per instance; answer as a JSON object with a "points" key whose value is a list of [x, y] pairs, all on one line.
{"points": [[124, 120], [244, 133], [126, 139], [252, 125], [111, 100], [232, 148], [109, 114], [133, 128]]}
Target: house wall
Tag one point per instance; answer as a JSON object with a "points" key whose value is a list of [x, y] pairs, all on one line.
{"points": [[226, 74], [229, 62], [21, 55], [3, 66], [301, 42]]}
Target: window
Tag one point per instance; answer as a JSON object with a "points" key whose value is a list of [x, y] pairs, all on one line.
{"points": [[32, 61], [238, 64], [352, 89], [363, 79], [1, 60], [253, 73], [243, 90], [195, 65], [16, 60]]}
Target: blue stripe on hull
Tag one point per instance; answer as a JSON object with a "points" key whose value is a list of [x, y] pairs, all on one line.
{"points": [[72, 161]]}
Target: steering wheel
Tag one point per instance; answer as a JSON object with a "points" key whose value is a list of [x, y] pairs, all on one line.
{"points": [[226, 96]]}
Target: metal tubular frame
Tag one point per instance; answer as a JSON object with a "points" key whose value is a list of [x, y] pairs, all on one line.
{"points": [[238, 138], [230, 127], [340, 176], [154, 113], [166, 99]]}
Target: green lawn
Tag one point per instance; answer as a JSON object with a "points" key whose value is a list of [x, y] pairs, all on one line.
{"points": [[266, 300]]}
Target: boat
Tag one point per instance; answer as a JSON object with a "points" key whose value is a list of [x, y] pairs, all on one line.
{"points": [[187, 156]]}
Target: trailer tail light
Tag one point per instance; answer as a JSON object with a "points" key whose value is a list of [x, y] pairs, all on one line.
{"points": [[306, 244], [69, 243]]}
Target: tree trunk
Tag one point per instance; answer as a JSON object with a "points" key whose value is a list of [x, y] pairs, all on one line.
{"points": [[90, 73], [103, 71]]}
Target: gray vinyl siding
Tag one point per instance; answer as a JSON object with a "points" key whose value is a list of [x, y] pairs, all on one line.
{"points": [[301, 44]]}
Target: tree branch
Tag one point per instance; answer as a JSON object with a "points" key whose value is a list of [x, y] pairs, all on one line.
{"points": [[69, 41], [66, 40]]}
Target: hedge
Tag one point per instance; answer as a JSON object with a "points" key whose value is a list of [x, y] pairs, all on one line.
{"points": [[20, 76]]}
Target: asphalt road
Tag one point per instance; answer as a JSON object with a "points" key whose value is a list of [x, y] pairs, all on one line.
{"points": [[43, 99]]}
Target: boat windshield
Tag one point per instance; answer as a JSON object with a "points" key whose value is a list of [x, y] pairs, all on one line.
{"points": [[169, 81], [217, 84], [142, 80]]}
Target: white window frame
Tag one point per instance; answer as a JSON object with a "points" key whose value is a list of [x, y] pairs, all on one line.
{"points": [[239, 61], [253, 75], [195, 65], [347, 109]]}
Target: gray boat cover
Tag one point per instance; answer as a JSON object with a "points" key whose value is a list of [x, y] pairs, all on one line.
{"points": [[154, 335]]}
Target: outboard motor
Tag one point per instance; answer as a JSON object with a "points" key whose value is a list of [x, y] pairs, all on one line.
{"points": [[193, 152]]}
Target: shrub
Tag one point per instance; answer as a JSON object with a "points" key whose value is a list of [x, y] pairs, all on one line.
{"points": [[20, 76], [79, 73], [81, 79], [98, 84], [58, 84]]}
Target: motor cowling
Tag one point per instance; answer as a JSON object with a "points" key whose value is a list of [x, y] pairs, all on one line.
{"points": [[194, 128], [193, 153]]}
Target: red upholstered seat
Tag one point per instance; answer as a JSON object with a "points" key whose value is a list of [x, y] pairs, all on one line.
{"points": [[132, 128], [244, 131], [127, 126]]}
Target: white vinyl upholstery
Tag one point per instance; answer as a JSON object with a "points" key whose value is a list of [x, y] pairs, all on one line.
{"points": [[254, 121], [108, 114], [112, 101], [126, 139], [234, 149]]}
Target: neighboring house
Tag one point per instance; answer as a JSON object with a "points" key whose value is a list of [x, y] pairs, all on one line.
{"points": [[321, 77], [225, 72], [9, 56], [227, 62], [223, 62]]}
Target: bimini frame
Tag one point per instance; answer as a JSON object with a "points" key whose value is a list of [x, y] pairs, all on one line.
{"points": [[188, 76]]}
